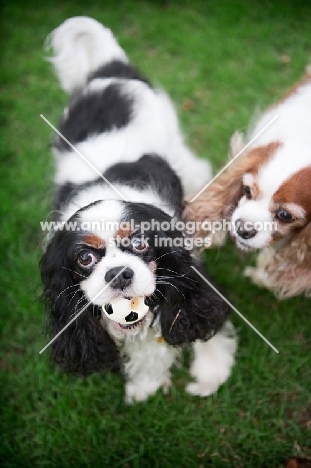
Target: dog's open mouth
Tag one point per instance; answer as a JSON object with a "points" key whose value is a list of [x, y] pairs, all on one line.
{"points": [[240, 244], [244, 247]]}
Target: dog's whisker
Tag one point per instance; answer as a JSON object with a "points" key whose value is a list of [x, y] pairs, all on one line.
{"points": [[75, 292], [73, 271], [170, 284], [167, 269], [157, 290], [177, 275], [79, 301], [171, 277], [167, 253], [72, 286]]}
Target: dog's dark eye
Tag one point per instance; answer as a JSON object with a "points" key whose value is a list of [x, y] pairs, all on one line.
{"points": [[248, 192], [86, 259], [284, 216], [139, 245]]}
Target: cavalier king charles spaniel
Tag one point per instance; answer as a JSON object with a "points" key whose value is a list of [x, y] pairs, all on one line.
{"points": [[118, 234], [265, 196]]}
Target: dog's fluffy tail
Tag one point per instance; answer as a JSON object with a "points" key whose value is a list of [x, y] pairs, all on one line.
{"points": [[81, 45]]}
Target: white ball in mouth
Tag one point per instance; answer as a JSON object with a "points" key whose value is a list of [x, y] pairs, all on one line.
{"points": [[126, 311]]}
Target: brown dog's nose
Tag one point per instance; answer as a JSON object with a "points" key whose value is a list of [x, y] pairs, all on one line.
{"points": [[245, 229]]}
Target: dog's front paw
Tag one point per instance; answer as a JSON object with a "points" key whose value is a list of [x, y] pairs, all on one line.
{"points": [[135, 392], [141, 391], [202, 389], [209, 379], [260, 274], [257, 275], [213, 361], [250, 272]]}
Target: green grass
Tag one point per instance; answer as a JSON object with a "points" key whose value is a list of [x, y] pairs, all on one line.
{"points": [[219, 61]]}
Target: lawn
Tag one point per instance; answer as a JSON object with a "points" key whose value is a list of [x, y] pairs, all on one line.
{"points": [[220, 61]]}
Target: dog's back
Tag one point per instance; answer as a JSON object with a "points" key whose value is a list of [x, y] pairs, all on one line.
{"points": [[115, 114]]}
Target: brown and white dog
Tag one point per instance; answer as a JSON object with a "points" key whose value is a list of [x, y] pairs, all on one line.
{"points": [[265, 194]]}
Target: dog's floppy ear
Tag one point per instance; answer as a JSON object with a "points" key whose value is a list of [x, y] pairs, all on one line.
{"points": [[289, 268], [189, 309], [84, 347]]}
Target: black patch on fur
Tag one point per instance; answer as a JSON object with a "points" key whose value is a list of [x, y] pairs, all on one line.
{"points": [[189, 308], [94, 112], [63, 195], [118, 69], [66, 192], [84, 347], [150, 171]]}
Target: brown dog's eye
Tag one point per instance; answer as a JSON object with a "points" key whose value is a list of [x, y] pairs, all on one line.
{"points": [[248, 192], [86, 259], [284, 216]]}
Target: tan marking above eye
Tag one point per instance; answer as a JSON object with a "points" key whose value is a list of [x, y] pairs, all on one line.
{"points": [[251, 188], [124, 233], [94, 241], [255, 190]]}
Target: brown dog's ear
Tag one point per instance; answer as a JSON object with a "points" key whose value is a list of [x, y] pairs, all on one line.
{"points": [[302, 244], [296, 277], [220, 199]]}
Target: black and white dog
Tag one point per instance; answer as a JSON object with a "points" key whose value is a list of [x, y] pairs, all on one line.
{"points": [[128, 132]]}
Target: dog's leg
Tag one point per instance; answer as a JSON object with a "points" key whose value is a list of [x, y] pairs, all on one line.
{"points": [[148, 368], [259, 274], [212, 362]]}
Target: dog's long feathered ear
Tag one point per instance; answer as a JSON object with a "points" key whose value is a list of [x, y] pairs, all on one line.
{"points": [[84, 347], [189, 309], [288, 270]]}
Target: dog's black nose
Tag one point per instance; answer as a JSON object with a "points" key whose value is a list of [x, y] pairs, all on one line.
{"points": [[244, 229], [121, 281]]}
